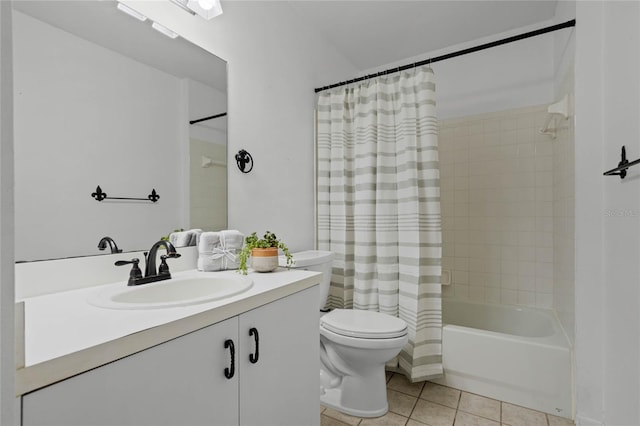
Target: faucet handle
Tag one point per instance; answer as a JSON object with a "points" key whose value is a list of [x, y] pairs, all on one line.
{"points": [[163, 269], [135, 274], [133, 261]]}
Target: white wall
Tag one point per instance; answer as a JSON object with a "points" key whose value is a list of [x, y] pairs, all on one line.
{"points": [[607, 213], [93, 117], [9, 412], [510, 76], [564, 44], [274, 65]]}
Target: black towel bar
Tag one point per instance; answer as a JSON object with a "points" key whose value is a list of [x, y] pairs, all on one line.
{"points": [[623, 165], [99, 195]]}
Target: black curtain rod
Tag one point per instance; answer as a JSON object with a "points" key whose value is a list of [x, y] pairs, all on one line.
{"points": [[571, 23], [207, 118]]}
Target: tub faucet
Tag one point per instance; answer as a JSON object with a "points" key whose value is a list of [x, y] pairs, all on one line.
{"points": [[112, 245]]}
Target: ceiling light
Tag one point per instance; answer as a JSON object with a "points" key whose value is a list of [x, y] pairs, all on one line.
{"points": [[208, 9], [164, 30], [131, 12]]}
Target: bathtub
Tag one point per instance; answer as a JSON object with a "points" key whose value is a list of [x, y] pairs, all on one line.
{"points": [[513, 354]]}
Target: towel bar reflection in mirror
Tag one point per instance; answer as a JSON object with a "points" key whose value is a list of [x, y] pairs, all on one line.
{"points": [[99, 195]]}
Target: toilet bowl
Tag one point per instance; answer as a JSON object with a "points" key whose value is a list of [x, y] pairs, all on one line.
{"points": [[354, 347]]}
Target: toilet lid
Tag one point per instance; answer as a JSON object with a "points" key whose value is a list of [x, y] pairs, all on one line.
{"points": [[363, 324]]}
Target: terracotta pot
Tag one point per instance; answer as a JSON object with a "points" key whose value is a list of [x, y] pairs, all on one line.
{"points": [[264, 259]]}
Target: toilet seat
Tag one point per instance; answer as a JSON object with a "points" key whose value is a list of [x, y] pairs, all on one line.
{"points": [[363, 324], [362, 343]]}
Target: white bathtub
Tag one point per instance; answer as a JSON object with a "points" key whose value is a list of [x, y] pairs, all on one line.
{"points": [[514, 354]]}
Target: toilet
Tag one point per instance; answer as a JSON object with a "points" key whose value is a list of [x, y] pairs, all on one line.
{"points": [[354, 347]]}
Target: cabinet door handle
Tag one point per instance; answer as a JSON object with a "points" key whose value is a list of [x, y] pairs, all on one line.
{"points": [[230, 371], [253, 358]]}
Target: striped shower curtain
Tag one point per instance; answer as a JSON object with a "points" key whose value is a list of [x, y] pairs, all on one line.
{"points": [[379, 206]]}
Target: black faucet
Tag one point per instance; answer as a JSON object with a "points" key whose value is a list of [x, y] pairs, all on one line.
{"points": [[151, 275], [112, 245], [150, 269]]}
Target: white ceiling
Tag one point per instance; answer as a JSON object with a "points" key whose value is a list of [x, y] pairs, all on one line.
{"points": [[374, 33], [369, 33]]}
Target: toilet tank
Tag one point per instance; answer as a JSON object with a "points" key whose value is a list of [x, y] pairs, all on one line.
{"points": [[314, 260]]}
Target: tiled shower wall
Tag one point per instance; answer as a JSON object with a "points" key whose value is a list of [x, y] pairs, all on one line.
{"points": [[496, 174]]}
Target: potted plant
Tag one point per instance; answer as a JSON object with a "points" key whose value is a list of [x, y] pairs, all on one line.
{"points": [[263, 252]]}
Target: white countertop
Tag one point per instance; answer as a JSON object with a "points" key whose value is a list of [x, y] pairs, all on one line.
{"points": [[64, 335]]}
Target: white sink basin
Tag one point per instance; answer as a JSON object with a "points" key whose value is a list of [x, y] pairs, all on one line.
{"points": [[171, 293]]}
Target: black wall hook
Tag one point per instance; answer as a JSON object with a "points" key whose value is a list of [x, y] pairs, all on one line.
{"points": [[244, 160]]}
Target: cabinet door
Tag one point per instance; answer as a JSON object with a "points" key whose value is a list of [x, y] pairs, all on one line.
{"points": [[180, 382], [282, 387]]}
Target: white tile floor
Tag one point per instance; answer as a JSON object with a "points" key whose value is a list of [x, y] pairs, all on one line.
{"points": [[426, 403]]}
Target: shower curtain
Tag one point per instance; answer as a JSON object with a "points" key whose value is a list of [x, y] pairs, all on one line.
{"points": [[379, 206]]}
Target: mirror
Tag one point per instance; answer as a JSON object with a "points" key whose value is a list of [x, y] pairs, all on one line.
{"points": [[102, 99]]}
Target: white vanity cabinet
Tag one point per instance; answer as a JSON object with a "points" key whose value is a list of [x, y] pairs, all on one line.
{"points": [[283, 386], [183, 381], [180, 382]]}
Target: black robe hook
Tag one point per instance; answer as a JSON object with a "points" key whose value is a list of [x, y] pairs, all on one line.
{"points": [[244, 160]]}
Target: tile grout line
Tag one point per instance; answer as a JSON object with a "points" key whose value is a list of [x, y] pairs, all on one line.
{"points": [[415, 404], [457, 407]]}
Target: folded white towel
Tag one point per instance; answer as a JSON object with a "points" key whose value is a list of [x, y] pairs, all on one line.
{"points": [[208, 241], [185, 238], [180, 239], [232, 238], [231, 242], [206, 261], [219, 251]]}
